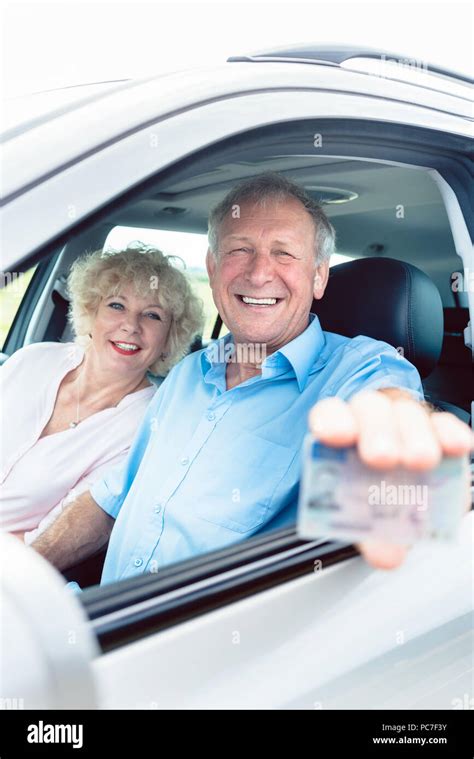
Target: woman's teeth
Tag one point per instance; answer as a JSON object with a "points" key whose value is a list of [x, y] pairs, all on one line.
{"points": [[127, 347], [259, 301]]}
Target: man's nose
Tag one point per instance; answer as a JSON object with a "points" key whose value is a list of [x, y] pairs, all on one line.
{"points": [[259, 269]]}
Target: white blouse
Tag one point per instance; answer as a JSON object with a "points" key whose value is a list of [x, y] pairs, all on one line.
{"points": [[40, 476]]}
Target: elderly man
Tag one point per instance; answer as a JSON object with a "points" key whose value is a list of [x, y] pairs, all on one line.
{"points": [[218, 454]]}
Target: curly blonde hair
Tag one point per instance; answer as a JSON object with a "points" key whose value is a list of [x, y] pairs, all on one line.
{"points": [[101, 274]]}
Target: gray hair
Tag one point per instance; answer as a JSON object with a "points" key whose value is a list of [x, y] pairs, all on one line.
{"points": [[271, 185]]}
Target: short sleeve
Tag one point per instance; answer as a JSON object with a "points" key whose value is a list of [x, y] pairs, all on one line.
{"points": [[368, 364]]}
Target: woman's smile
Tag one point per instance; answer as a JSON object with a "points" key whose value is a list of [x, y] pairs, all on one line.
{"points": [[124, 348]]}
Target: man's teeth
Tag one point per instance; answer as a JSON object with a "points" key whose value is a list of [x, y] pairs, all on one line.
{"points": [[259, 301], [127, 347]]}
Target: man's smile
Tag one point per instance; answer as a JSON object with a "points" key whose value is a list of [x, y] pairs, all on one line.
{"points": [[250, 301]]}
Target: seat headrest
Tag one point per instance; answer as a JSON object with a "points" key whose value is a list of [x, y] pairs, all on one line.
{"points": [[388, 300]]}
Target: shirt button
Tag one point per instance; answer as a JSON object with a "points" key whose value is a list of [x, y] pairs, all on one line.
{"points": [[158, 509], [185, 461], [211, 416], [138, 562]]}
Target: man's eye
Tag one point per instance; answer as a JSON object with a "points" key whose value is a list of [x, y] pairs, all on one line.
{"points": [[283, 253], [240, 250], [116, 306]]}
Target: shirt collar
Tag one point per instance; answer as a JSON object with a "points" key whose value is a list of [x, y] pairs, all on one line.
{"points": [[301, 353]]}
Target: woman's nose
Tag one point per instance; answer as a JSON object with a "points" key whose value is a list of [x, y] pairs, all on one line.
{"points": [[130, 324]]}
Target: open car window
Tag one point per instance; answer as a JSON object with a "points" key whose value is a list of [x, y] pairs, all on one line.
{"points": [[362, 194]]}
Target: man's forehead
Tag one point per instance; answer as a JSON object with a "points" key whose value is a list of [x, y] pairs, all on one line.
{"points": [[254, 218]]}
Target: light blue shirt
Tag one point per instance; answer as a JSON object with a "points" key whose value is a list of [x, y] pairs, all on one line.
{"points": [[210, 466]]}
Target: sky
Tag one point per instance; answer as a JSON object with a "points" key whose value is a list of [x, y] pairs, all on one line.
{"points": [[48, 45]]}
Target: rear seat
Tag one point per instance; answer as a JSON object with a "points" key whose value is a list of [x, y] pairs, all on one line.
{"points": [[450, 384]]}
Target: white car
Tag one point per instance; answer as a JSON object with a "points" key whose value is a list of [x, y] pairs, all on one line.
{"points": [[275, 621]]}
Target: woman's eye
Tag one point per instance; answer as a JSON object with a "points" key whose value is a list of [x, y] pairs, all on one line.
{"points": [[116, 306], [155, 316]]}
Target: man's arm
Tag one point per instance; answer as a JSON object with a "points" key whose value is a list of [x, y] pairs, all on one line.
{"points": [[81, 530]]}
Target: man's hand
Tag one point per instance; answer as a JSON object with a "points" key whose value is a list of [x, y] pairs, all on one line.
{"points": [[391, 429]]}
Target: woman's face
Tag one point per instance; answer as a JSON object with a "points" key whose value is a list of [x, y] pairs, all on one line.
{"points": [[130, 332]]}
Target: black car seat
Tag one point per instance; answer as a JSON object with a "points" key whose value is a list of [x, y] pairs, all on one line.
{"points": [[392, 301]]}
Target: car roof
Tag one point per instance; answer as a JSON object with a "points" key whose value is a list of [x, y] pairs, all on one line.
{"points": [[337, 55], [29, 109], [102, 113], [26, 111]]}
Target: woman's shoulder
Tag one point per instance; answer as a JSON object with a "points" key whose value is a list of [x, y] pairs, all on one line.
{"points": [[46, 347], [46, 354], [140, 397]]}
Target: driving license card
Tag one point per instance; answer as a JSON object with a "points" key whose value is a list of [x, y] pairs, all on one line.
{"points": [[342, 498]]}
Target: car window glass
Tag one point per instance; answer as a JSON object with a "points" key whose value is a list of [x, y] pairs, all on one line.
{"points": [[13, 288]]}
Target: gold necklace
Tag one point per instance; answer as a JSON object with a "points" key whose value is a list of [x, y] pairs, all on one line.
{"points": [[74, 424]]}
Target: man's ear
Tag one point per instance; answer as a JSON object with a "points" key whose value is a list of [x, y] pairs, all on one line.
{"points": [[320, 280], [210, 265]]}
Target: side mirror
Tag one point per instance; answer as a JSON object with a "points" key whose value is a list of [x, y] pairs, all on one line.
{"points": [[46, 642]]}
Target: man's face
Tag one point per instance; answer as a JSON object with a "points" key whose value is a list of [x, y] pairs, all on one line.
{"points": [[268, 254]]}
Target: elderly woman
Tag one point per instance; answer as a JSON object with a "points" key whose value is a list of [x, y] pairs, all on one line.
{"points": [[70, 410]]}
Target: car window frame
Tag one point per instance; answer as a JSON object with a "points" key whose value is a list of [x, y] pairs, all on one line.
{"points": [[16, 334], [127, 159], [128, 610], [271, 573]]}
